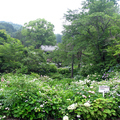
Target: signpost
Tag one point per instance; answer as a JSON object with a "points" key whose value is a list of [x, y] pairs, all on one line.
{"points": [[104, 89]]}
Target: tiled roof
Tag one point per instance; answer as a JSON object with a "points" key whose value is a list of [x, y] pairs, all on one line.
{"points": [[48, 48]]}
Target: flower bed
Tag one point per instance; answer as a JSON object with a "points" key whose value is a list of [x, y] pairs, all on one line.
{"points": [[30, 97]]}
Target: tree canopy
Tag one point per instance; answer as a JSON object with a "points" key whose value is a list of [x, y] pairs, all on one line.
{"points": [[89, 34], [39, 32]]}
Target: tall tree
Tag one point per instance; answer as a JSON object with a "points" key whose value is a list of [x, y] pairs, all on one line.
{"points": [[39, 32], [109, 7], [95, 28]]}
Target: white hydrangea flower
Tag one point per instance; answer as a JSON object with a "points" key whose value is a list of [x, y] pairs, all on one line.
{"points": [[1, 89], [78, 116], [87, 104], [68, 99], [80, 81], [72, 107], [42, 105], [91, 91], [91, 87], [65, 118], [4, 116]]}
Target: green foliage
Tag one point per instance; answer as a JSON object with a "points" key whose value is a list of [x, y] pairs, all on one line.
{"points": [[100, 108], [64, 70], [35, 97], [16, 26], [33, 60], [79, 77], [92, 36], [39, 32], [102, 6], [26, 97], [58, 38], [22, 38], [46, 68], [52, 67], [89, 69], [10, 54], [14, 57], [97, 77], [91, 40], [56, 76], [8, 27]]}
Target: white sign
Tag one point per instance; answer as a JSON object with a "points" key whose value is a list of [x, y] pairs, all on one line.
{"points": [[104, 88]]}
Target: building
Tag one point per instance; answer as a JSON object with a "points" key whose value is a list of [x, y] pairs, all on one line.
{"points": [[47, 48]]}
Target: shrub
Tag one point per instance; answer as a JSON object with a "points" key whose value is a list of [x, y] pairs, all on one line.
{"points": [[33, 97], [95, 77], [64, 70], [78, 77], [52, 67], [56, 76], [28, 98], [91, 69], [100, 108]]}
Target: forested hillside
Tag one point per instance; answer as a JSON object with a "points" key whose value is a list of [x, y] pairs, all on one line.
{"points": [[10, 28], [16, 26]]}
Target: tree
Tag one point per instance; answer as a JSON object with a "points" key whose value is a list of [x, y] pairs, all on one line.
{"points": [[70, 50], [11, 53], [3, 36], [59, 38], [94, 28], [21, 37], [109, 7], [15, 57], [39, 32]]}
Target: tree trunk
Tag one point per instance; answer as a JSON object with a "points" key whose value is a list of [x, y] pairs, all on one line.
{"points": [[79, 66], [72, 66], [79, 55]]}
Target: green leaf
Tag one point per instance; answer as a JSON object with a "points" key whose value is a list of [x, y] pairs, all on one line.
{"points": [[107, 111], [92, 112], [114, 114], [99, 112], [104, 115], [88, 116], [53, 107]]}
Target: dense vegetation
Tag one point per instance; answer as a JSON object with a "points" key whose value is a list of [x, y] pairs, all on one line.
{"points": [[87, 57], [14, 30], [91, 39]]}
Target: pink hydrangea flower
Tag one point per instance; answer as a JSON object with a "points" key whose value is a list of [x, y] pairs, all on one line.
{"points": [[2, 80]]}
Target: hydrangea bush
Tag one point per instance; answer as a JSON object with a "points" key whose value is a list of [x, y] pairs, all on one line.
{"points": [[40, 97]]}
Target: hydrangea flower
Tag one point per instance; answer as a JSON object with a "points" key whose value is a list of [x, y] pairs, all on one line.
{"points": [[72, 107], [91, 91], [84, 96], [42, 105], [87, 104], [65, 118], [78, 116]]}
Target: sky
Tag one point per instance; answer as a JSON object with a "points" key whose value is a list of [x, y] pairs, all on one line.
{"points": [[23, 11]]}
